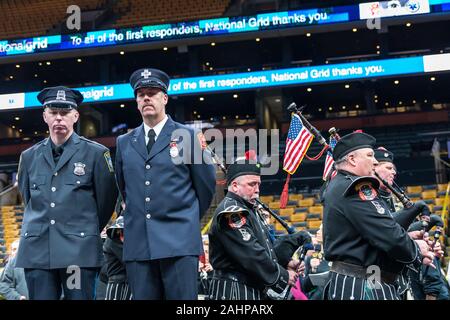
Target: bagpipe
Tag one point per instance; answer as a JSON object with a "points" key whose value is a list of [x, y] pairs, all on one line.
{"points": [[259, 204], [293, 239], [329, 163], [406, 201]]}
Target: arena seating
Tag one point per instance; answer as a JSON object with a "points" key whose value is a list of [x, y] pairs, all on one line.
{"points": [[141, 12], [27, 18], [10, 224]]}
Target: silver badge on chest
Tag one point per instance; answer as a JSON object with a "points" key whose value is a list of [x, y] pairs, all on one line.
{"points": [[79, 169]]}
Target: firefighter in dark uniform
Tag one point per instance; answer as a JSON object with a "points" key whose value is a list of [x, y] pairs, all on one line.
{"points": [[243, 258], [167, 181], [360, 236], [68, 189]]}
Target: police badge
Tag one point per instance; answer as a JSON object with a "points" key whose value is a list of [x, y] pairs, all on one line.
{"points": [[79, 169]]}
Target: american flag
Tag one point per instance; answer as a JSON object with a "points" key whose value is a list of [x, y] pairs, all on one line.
{"points": [[297, 143], [329, 160]]}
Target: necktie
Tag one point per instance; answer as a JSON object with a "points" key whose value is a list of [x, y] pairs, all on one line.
{"points": [[57, 152], [151, 139]]}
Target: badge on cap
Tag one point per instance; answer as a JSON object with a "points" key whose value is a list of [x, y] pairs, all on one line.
{"points": [[61, 95], [386, 154], [379, 207], [79, 169], [146, 74], [174, 148], [366, 191], [245, 235]]}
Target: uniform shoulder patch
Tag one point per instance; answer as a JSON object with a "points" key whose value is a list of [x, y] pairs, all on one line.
{"points": [[236, 220], [365, 187], [366, 191], [108, 160]]}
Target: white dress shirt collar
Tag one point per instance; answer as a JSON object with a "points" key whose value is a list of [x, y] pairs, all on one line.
{"points": [[156, 128]]}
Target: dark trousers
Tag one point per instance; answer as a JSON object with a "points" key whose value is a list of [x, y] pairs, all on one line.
{"points": [[44, 284], [164, 279]]}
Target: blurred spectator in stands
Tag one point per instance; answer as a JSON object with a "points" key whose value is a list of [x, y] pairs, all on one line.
{"points": [[316, 270], [12, 280]]}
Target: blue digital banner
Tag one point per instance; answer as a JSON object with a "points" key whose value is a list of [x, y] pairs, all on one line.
{"points": [[208, 27], [200, 28], [252, 80]]}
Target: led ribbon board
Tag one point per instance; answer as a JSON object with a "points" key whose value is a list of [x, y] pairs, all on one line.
{"points": [[220, 26], [253, 80]]}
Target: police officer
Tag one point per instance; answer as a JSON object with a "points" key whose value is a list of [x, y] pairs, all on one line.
{"points": [[360, 236], [243, 258], [68, 188], [167, 182]]}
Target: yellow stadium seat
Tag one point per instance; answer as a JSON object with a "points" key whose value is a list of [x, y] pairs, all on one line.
{"points": [[306, 202], [274, 205], [314, 224], [429, 194], [439, 201], [415, 199], [315, 209], [300, 228], [296, 197], [286, 211], [414, 189], [298, 217], [266, 199], [442, 187], [279, 227]]}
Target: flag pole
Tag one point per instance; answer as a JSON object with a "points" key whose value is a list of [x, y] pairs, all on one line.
{"points": [[292, 108]]}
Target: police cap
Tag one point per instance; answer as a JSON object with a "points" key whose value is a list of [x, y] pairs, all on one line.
{"points": [[149, 78], [60, 97]]}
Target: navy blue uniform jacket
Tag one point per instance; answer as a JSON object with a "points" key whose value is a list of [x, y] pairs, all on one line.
{"points": [[66, 205], [164, 200]]}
